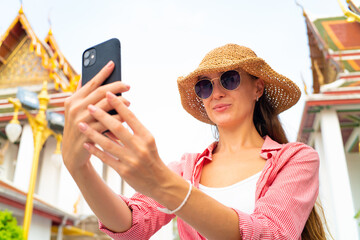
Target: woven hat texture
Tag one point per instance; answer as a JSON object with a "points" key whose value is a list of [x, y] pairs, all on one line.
{"points": [[280, 91]]}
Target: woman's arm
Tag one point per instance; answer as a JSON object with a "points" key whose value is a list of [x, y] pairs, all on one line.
{"points": [[100, 198], [109, 208]]}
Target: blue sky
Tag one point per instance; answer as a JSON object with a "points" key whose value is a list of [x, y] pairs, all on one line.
{"points": [[162, 40]]}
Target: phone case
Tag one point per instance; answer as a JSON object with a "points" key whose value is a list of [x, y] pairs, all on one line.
{"points": [[96, 57]]}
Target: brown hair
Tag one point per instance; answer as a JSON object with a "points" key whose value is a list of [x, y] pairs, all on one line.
{"points": [[267, 123]]}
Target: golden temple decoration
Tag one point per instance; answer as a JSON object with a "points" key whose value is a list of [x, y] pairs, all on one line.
{"points": [[319, 73], [23, 68], [305, 87], [351, 16], [57, 67]]}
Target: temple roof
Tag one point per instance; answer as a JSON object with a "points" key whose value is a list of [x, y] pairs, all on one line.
{"points": [[20, 39], [338, 33], [334, 44], [27, 62], [335, 48]]}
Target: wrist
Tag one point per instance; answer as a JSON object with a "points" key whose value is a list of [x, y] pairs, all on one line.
{"points": [[168, 211], [173, 192], [80, 171]]}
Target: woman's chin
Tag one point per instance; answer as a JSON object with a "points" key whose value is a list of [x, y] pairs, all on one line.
{"points": [[224, 122]]}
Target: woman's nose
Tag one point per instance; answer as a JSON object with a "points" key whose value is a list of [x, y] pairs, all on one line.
{"points": [[218, 90]]}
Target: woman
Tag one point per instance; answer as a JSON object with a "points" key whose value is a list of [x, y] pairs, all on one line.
{"points": [[251, 184]]}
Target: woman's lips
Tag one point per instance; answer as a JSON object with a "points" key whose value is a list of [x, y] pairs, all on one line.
{"points": [[221, 107]]}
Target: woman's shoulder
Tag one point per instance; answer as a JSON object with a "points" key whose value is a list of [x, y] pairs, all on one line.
{"points": [[270, 145], [298, 151], [298, 147], [290, 150]]}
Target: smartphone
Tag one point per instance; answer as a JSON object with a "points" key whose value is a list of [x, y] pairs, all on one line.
{"points": [[96, 57]]}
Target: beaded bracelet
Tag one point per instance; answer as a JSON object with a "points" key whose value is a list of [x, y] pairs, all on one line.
{"points": [[167, 211]]}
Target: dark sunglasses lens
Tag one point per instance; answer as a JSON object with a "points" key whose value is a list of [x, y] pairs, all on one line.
{"points": [[203, 89], [230, 80]]}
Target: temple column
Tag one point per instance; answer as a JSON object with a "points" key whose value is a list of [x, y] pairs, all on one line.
{"points": [[338, 177]]}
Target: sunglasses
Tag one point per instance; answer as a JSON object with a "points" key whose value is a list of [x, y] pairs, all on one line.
{"points": [[229, 80]]}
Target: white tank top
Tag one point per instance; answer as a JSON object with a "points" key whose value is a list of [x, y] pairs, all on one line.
{"points": [[240, 196]]}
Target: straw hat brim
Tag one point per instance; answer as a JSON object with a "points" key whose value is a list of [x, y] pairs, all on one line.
{"points": [[280, 91]]}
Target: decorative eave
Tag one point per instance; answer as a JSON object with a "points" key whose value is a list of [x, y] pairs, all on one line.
{"points": [[345, 55], [320, 42], [12, 196], [59, 60], [319, 54], [349, 75], [346, 102]]}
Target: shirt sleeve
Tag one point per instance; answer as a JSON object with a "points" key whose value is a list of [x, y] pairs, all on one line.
{"points": [[283, 209], [146, 218]]}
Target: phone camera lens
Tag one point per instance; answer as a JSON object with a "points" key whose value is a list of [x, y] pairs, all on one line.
{"points": [[86, 54], [86, 62]]}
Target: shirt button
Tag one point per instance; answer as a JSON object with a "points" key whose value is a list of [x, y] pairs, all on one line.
{"points": [[269, 155]]}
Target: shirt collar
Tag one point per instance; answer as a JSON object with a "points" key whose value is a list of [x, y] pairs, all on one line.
{"points": [[208, 151], [269, 148], [269, 145]]}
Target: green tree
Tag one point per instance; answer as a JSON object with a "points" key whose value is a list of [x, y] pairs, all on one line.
{"points": [[9, 230]]}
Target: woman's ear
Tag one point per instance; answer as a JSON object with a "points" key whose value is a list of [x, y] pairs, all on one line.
{"points": [[260, 85]]}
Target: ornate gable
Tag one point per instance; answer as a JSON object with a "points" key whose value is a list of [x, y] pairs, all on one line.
{"points": [[23, 67], [25, 60]]}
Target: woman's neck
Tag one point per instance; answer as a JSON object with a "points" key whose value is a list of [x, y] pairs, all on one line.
{"points": [[242, 137]]}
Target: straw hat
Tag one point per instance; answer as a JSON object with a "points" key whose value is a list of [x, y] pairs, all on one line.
{"points": [[280, 91]]}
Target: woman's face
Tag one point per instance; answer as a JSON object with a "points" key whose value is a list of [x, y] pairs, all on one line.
{"points": [[229, 108]]}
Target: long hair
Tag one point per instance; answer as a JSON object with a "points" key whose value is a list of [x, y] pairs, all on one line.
{"points": [[268, 123]]}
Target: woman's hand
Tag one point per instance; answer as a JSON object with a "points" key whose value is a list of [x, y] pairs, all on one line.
{"points": [[74, 155], [136, 158]]}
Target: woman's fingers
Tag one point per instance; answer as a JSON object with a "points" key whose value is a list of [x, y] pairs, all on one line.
{"points": [[99, 127], [115, 126], [96, 81], [105, 106], [112, 137], [99, 93], [103, 156], [104, 142], [125, 114]]}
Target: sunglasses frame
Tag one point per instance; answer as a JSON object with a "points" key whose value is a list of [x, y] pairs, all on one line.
{"points": [[212, 83]]}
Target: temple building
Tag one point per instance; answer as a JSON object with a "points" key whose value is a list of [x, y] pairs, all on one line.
{"points": [[38, 68], [331, 118], [35, 80]]}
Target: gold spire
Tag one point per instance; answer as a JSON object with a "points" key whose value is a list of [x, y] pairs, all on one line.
{"points": [[305, 87], [21, 11]]}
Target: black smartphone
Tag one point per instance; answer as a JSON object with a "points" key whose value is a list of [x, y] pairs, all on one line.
{"points": [[96, 57]]}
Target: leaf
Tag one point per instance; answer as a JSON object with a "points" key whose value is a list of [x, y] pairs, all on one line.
{"points": [[357, 215], [9, 230]]}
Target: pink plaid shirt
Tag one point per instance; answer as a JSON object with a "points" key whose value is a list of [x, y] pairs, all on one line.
{"points": [[285, 195]]}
